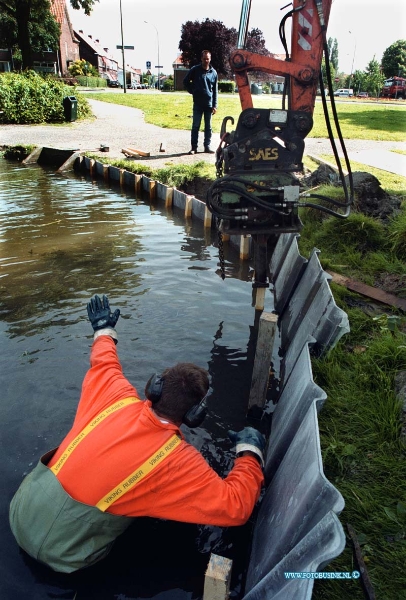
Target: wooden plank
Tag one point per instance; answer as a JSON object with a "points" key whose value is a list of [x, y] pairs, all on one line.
{"points": [[138, 183], [217, 578], [245, 247], [263, 354], [168, 197], [365, 580], [128, 152], [68, 164], [137, 151], [207, 218], [188, 207], [33, 157], [368, 290], [152, 189], [259, 298]]}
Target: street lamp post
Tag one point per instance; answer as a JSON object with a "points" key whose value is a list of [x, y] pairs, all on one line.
{"points": [[157, 37], [122, 46], [353, 56]]}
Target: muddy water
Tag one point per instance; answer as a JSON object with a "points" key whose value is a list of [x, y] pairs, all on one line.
{"points": [[63, 239]]}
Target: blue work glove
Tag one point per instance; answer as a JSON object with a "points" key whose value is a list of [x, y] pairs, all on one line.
{"points": [[248, 439], [99, 313]]}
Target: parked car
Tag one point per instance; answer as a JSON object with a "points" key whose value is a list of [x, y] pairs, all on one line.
{"points": [[362, 95], [344, 92], [113, 83]]}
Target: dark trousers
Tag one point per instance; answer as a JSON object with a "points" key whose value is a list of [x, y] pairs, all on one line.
{"points": [[198, 113]]}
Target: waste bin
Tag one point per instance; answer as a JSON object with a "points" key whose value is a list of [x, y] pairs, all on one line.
{"points": [[70, 108], [255, 89]]}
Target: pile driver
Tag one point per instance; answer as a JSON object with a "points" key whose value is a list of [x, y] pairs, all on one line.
{"points": [[257, 190]]}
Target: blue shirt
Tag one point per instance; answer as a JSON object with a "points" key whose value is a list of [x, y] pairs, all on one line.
{"points": [[202, 85]]}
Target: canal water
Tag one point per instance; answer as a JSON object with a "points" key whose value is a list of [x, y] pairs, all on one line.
{"points": [[63, 239]]}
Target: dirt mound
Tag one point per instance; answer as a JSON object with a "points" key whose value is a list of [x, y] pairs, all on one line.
{"points": [[371, 199]]}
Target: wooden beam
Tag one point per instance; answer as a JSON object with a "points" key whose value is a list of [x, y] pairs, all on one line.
{"points": [[365, 580], [138, 183], [207, 218], [245, 247], [188, 206], [68, 164], [152, 189], [168, 197], [128, 152], [263, 354], [369, 291], [33, 157], [137, 151], [106, 172], [92, 167], [217, 578], [259, 298]]}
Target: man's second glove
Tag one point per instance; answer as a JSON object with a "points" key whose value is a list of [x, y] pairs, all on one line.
{"points": [[99, 313], [248, 439]]}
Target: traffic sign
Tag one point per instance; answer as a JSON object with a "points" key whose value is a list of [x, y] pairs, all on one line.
{"points": [[125, 47], [158, 66], [148, 64], [148, 72]]}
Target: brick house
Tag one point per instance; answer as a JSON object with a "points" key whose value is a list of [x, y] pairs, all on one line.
{"points": [[179, 73], [49, 61], [68, 50], [93, 52]]}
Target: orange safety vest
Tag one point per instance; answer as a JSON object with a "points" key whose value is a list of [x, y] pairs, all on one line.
{"points": [[117, 444], [136, 476]]}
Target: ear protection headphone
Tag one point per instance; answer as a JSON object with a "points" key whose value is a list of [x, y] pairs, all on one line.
{"points": [[194, 416]]}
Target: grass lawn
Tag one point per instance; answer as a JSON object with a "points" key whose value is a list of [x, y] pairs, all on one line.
{"points": [[358, 120]]}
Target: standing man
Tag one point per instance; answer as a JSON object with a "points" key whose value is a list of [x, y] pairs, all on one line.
{"points": [[125, 458], [201, 82]]}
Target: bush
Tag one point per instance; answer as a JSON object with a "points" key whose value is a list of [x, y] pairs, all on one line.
{"points": [[32, 98], [226, 86], [91, 81]]}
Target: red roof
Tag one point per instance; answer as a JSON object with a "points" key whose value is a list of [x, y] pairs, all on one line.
{"points": [[58, 10]]}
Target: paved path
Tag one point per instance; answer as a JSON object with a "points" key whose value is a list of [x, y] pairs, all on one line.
{"points": [[120, 126]]}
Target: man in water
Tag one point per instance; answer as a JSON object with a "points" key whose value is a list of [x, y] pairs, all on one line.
{"points": [[125, 458]]}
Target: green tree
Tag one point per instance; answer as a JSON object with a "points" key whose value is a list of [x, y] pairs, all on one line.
{"points": [[332, 46], [374, 78], [82, 67], [394, 60], [208, 35], [359, 82], [30, 26], [220, 40]]}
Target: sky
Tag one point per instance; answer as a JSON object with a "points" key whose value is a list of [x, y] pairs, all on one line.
{"points": [[363, 28]]}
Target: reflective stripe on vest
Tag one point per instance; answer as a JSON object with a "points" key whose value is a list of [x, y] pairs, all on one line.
{"points": [[129, 482], [139, 474], [93, 423]]}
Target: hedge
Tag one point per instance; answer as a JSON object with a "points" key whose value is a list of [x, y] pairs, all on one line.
{"points": [[29, 97]]}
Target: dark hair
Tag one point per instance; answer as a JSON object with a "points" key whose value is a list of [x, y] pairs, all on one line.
{"points": [[184, 385], [205, 52]]}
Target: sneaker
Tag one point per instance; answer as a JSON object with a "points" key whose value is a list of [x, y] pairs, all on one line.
{"points": [[208, 150], [193, 151]]}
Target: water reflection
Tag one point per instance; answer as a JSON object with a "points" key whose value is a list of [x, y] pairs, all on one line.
{"points": [[63, 239]]}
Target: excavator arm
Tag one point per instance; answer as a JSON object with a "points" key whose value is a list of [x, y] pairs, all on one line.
{"points": [[257, 191], [301, 67]]}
